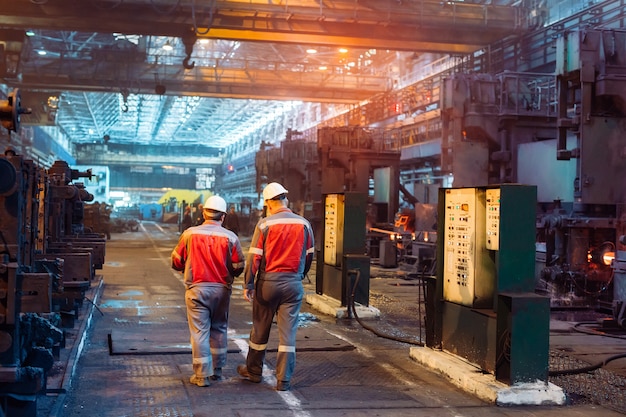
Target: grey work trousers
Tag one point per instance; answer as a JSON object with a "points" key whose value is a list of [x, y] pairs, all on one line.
{"points": [[207, 314], [282, 298]]}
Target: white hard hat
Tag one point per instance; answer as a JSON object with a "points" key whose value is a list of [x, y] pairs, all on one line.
{"points": [[215, 203], [272, 190]]}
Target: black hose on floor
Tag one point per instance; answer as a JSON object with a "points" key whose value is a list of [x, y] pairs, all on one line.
{"points": [[579, 329], [590, 367], [352, 307], [586, 368]]}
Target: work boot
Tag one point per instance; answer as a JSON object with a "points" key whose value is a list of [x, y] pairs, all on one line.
{"points": [[283, 386], [200, 381], [217, 374], [243, 371]]}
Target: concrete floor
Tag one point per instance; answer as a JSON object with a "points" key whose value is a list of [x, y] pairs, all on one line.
{"points": [[130, 355]]}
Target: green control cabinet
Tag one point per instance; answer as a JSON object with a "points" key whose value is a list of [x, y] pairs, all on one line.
{"points": [[342, 255], [522, 334], [484, 308]]}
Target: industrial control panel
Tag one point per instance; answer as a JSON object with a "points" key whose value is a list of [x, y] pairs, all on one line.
{"points": [[492, 213], [486, 230], [485, 282], [344, 249], [333, 229], [468, 272]]}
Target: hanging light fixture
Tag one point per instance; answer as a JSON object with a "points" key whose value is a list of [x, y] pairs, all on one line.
{"points": [[167, 46]]}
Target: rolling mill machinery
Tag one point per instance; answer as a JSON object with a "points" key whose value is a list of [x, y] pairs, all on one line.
{"points": [[536, 216], [349, 168], [295, 164], [47, 266], [342, 159], [588, 243], [564, 133], [561, 130]]}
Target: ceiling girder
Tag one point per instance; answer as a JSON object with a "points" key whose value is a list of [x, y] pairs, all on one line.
{"points": [[228, 83], [110, 159], [390, 41], [424, 25]]}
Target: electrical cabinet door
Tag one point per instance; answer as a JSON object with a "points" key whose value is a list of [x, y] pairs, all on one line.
{"points": [[333, 229], [468, 273], [492, 213]]}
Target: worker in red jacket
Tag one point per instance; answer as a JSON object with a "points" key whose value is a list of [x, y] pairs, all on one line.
{"points": [[281, 252], [210, 257]]}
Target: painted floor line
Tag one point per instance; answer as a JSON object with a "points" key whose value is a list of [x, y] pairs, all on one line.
{"points": [[294, 404]]}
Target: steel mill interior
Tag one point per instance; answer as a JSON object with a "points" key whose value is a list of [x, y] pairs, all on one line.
{"points": [[462, 165]]}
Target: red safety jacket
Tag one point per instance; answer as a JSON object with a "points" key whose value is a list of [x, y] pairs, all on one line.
{"points": [[208, 254], [282, 247]]}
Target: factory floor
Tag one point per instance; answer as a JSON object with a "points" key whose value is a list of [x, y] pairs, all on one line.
{"points": [[129, 354]]}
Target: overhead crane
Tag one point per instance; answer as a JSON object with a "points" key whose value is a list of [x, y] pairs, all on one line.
{"points": [[449, 27]]}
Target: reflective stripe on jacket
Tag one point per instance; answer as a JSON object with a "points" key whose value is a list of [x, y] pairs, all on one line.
{"points": [[208, 254], [282, 246]]}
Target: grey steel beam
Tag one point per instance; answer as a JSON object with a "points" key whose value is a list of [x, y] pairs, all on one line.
{"points": [[112, 159], [434, 26], [265, 84]]}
